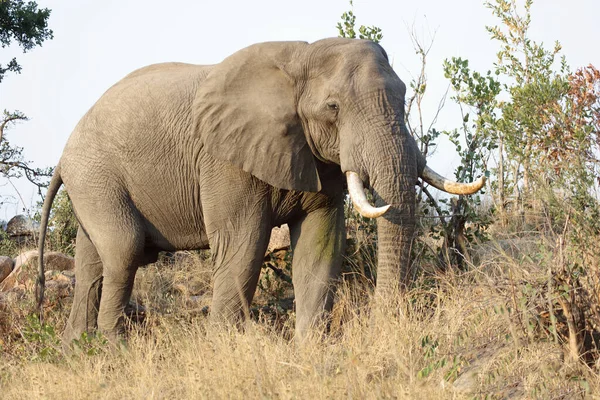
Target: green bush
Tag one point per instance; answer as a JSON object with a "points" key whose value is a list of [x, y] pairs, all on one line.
{"points": [[62, 225]]}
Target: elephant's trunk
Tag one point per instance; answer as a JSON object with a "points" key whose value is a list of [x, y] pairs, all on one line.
{"points": [[391, 164], [395, 233], [393, 181], [391, 161]]}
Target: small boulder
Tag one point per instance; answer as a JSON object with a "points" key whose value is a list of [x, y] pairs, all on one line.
{"points": [[25, 258], [58, 261], [59, 285], [6, 267], [52, 261], [21, 229], [59, 288], [15, 278], [280, 239]]}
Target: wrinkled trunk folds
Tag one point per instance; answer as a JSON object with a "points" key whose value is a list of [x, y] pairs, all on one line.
{"points": [[395, 233]]}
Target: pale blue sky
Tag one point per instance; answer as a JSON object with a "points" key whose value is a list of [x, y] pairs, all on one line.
{"points": [[98, 42]]}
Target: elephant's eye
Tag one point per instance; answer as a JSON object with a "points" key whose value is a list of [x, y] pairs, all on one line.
{"points": [[333, 106]]}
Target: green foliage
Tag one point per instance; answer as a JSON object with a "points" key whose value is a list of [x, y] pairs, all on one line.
{"points": [[535, 128], [43, 338], [526, 116], [90, 344], [25, 24], [474, 142], [62, 224], [347, 28], [436, 361], [540, 123], [7, 247]]}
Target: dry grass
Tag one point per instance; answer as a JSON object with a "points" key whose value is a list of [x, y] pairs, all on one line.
{"points": [[476, 334]]}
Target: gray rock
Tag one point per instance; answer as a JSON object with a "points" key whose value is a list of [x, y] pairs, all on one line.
{"points": [[58, 261], [25, 267], [6, 267], [52, 260], [24, 258], [21, 229], [280, 239], [15, 278]]}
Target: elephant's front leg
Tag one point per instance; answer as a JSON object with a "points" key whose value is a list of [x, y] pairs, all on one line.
{"points": [[317, 243], [238, 254], [237, 217]]}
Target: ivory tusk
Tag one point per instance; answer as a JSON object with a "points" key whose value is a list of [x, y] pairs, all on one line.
{"points": [[357, 194], [439, 182]]}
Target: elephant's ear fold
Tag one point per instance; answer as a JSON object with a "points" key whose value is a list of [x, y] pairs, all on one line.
{"points": [[245, 113]]}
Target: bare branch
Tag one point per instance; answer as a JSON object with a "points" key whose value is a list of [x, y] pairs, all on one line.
{"points": [[10, 118], [435, 205]]}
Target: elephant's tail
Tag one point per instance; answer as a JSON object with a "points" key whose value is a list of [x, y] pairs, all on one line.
{"points": [[55, 184]]}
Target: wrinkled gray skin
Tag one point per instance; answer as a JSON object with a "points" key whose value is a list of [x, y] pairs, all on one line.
{"points": [[178, 156]]}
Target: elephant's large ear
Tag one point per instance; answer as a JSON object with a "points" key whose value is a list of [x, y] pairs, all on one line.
{"points": [[245, 113]]}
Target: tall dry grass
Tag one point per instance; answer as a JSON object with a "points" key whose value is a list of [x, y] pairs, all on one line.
{"points": [[484, 333]]}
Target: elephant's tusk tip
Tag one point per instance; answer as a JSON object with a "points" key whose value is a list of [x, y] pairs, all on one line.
{"points": [[372, 212], [357, 194], [434, 179], [479, 183], [382, 210]]}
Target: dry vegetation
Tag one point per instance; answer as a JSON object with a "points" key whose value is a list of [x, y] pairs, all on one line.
{"points": [[485, 332], [518, 317]]}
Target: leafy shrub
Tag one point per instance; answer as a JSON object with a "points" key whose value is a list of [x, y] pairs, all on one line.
{"points": [[62, 224]]}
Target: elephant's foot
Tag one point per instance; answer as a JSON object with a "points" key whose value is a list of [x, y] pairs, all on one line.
{"points": [[116, 292], [84, 311], [231, 301], [88, 288]]}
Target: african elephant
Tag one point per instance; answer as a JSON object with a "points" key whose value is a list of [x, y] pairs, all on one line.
{"points": [[271, 135]]}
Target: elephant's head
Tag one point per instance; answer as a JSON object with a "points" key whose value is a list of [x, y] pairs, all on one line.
{"points": [[279, 109]]}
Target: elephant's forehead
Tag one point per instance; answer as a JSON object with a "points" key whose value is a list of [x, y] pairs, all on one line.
{"points": [[353, 60], [355, 77]]}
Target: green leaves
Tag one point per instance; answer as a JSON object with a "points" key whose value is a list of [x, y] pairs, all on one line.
{"points": [[43, 337], [346, 28], [25, 24], [28, 27], [522, 113], [62, 224]]}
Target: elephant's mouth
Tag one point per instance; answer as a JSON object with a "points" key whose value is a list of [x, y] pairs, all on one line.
{"points": [[357, 193]]}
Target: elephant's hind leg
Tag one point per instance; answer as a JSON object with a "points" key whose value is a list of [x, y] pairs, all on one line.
{"points": [[120, 265], [116, 229], [86, 302]]}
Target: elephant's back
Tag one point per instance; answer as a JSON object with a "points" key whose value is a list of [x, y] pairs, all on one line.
{"points": [[137, 139], [173, 68], [151, 104]]}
